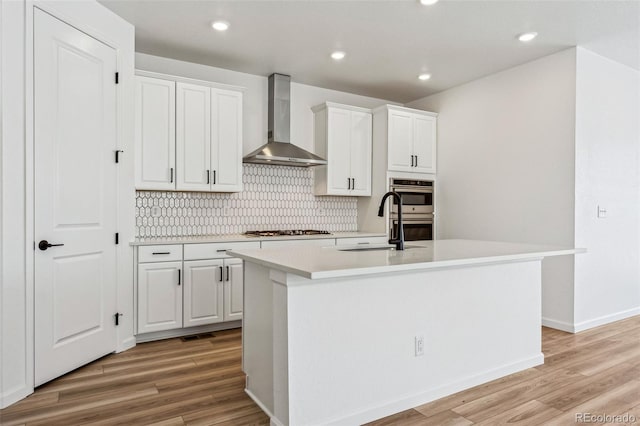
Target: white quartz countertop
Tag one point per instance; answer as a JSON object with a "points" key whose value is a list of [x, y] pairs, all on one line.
{"points": [[330, 262], [242, 237]]}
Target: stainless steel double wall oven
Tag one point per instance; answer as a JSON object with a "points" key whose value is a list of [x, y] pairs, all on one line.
{"points": [[417, 209]]}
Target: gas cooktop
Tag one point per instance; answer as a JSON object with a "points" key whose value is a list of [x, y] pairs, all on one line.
{"points": [[286, 232]]}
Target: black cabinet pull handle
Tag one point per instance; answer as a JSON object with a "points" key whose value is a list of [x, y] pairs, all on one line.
{"points": [[171, 180], [44, 244], [348, 183], [412, 160], [160, 252], [416, 161], [214, 177], [221, 250], [208, 177], [179, 277], [227, 274], [353, 183], [221, 274]]}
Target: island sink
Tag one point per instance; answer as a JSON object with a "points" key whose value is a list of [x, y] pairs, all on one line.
{"points": [[376, 248]]}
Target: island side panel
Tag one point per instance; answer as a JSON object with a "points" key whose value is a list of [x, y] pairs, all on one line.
{"points": [[257, 335], [351, 341]]}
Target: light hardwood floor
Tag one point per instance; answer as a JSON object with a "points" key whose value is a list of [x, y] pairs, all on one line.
{"points": [[200, 382]]}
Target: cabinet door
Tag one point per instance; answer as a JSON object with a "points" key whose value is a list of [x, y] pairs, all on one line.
{"points": [[400, 144], [155, 133], [193, 137], [360, 157], [233, 289], [338, 149], [203, 287], [226, 140], [159, 296], [424, 144]]}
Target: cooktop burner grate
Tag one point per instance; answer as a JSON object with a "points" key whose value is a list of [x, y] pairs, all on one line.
{"points": [[286, 232]]}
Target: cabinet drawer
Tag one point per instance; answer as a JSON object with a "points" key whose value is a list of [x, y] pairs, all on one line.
{"points": [[160, 253], [361, 240], [216, 250], [325, 242]]}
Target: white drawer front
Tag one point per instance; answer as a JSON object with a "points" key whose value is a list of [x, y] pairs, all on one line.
{"points": [[160, 253], [325, 242], [216, 250], [361, 240]]}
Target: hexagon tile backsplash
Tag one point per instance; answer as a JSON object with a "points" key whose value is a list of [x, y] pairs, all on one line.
{"points": [[272, 198]]}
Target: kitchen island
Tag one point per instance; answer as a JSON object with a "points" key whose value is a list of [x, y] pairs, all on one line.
{"points": [[343, 335]]}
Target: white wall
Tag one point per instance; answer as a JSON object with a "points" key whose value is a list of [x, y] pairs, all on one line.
{"points": [[303, 97], [506, 164], [607, 278]]}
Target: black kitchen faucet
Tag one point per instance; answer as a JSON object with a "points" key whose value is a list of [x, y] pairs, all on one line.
{"points": [[399, 241]]}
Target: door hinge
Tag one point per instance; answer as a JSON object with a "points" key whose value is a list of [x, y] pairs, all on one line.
{"points": [[117, 77], [117, 238], [117, 316], [118, 151]]}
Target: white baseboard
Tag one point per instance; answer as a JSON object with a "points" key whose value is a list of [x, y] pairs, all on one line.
{"points": [[126, 344], [606, 319], [13, 396], [273, 421], [595, 322], [558, 325], [411, 401]]}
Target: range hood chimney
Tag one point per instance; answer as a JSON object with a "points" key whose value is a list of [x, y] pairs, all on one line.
{"points": [[279, 150]]}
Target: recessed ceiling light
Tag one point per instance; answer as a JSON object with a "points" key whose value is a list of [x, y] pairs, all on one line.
{"points": [[337, 55], [527, 36], [220, 26], [424, 76], [428, 2]]}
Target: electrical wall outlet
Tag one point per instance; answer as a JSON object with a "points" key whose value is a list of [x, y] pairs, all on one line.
{"points": [[602, 212], [321, 211], [419, 345]]}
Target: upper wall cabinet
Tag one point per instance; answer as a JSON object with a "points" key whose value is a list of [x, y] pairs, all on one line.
{"points": [[155, 137], [410, 138], [205, 124], [343, 136]]}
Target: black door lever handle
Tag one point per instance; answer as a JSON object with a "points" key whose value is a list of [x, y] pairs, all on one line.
{"points": [[44, 244]]}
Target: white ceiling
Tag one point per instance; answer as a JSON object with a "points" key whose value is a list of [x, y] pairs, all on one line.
{"points": [[388, 43]]}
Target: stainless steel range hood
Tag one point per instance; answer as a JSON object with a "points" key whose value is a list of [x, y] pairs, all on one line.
{"points": [[278, 150]]}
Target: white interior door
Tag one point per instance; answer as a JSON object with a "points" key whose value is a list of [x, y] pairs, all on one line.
{"points": [[75, 197]]}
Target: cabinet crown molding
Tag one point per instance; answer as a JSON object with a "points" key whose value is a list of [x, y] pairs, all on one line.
{"points": [[389, 107], [326, 105]]}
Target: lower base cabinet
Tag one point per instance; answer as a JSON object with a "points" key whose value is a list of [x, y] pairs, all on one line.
{"points": [[159, 296], [233, 291], [203, 292]]}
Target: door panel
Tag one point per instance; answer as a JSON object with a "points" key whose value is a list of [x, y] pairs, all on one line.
{"points": [[233, 290], [424, 144], [203, 287], [339, 171], [75, 197], [361, 153], [159, 296], [400, 141], [193, 137], [226, 140], [155, 136]]}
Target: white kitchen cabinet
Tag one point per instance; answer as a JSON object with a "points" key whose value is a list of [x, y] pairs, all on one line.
{"points": [[233, 289], [188, 136], [203, 292], [343, 135], [411, 139], [159, 296], [226, 140], [193, 137], [155, 133]]}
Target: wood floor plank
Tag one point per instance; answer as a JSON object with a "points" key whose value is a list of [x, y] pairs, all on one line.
{"points": [[619, 399], [200, 382], [531, 413]]}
